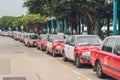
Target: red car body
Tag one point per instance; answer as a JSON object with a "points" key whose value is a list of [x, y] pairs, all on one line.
{"points": [[42, 44], [58, 47], [107, 60], [77, 48], [30, 42], [55, 47]]}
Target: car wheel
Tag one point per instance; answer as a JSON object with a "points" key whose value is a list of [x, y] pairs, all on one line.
{"points": [[53, 53], [27, 44], [38, 48], [42, 49], [77, 62], [64, 57], [47, 51], [99, 72]]}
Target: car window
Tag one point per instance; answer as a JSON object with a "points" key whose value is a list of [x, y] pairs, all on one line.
{"points": [[50, 38], [104, 44], [72, 41], [88, 40], [68, 40], [44, 36], [58, 38], [108, 46], [40, 38], [33, 36], [117, 46]]}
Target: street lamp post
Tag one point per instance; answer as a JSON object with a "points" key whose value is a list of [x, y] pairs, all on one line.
{"points": [[65, 26], [52, 23]]}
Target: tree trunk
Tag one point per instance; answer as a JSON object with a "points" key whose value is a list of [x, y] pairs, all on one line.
{"points": [[93, 22]]}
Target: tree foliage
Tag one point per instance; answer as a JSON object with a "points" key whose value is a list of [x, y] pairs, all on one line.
{"points": [[72, 10], [33, 18], [13, 22], [7, 22]]}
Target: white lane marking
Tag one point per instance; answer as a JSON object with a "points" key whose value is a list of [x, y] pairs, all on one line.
{"points": [[80, 75], [65, 66], [71, 69], [79, 78], [58, 62]]}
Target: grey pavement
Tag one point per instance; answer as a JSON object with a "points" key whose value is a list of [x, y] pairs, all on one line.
{"points": [[18, 62]]}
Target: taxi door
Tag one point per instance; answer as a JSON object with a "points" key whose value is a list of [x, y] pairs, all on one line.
{"points": [[67, 47], [71, 48], [107, 55], [115, 60], [49, 45]]}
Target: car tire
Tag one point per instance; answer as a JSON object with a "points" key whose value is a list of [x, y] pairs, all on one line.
{"points": [[25, 45], [28, 44], [53, 53], [47, 52], [38, 48], [77, 62], [64, 57], [43, 50], [99, 72]]}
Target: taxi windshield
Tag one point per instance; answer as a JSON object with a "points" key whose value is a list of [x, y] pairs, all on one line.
{"points": [[43, 37], [88, 40], [33, 36], [58, 39]]}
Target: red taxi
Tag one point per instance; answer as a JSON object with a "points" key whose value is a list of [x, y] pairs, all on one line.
{"points": [[42, 42], [55, 44], [107, 59], [30, 40], [77, 48]]}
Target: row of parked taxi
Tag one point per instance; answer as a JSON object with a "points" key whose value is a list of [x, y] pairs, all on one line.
{"points": [[104, 56]]}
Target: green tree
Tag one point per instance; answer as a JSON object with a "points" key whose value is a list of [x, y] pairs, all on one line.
{"points": [[33, 18], [72, 10], [37, 6], [7, 22], [32, 21]]}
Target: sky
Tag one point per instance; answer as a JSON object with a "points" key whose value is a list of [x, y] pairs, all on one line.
{"points": [[12, 8]]}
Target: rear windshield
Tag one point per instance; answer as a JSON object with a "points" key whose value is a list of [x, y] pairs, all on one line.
{"points": [[88, 40]]}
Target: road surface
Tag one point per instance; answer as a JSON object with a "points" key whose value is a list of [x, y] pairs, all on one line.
{"points": [[18, 62]]}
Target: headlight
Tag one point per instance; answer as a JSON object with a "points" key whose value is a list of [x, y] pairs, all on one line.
{"points": [[86, 53], [58, 48]]}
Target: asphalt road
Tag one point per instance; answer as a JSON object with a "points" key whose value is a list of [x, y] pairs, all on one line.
{"points": [[23, 63]]}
